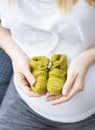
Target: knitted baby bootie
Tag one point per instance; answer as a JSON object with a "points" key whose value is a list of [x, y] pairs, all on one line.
{"points": [[39, 66], [57, 74]]}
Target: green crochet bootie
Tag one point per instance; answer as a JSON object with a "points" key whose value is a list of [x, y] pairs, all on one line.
{"points": [[57, 74], [39, 66]]}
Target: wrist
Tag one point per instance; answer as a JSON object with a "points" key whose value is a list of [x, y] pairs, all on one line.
{"points": [[15, 52], [89, 56]]}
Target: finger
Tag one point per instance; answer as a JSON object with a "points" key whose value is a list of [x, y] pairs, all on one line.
{"points": [[28, 92], [53, 97], [23, 85], [79, 83], [65, 98], [30, 78], [77, 87], [69, 83]]}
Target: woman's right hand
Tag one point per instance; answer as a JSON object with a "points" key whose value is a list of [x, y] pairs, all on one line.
{"points": [[20, 60], [23, 75]]}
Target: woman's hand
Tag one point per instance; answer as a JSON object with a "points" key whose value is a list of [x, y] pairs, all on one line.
{"points": [[75, 78], [20, 62], [23, 75]]}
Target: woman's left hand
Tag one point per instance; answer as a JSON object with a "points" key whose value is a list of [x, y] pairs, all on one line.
{"points": [[75, 79]]}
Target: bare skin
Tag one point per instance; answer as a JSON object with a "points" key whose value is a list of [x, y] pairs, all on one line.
{"points": [[20, 62], [75, 77]]}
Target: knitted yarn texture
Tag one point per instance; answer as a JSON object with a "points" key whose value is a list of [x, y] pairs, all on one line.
{"points": [[51, 78], [39, 66], [57, 74]]}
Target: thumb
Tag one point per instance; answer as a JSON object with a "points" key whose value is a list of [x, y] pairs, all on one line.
{"points": [[30, 78], [68, 84]]}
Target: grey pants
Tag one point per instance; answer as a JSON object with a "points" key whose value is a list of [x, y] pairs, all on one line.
{"points": [[5, 73], [16, 115]]}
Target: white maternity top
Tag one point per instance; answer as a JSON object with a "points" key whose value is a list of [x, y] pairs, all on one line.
{"points": [[39, 28]]}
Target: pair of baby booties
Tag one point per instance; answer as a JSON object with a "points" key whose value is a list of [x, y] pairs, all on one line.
{"points": [[50, 75]]}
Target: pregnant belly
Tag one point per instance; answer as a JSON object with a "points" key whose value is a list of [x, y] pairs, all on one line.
{"points": [[81, 106]]}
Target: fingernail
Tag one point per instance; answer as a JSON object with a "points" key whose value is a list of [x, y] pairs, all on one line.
{"points": [[32, 81], [65, 91]]}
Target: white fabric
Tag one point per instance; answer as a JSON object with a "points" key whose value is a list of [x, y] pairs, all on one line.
{"points": [[39, 28]]}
